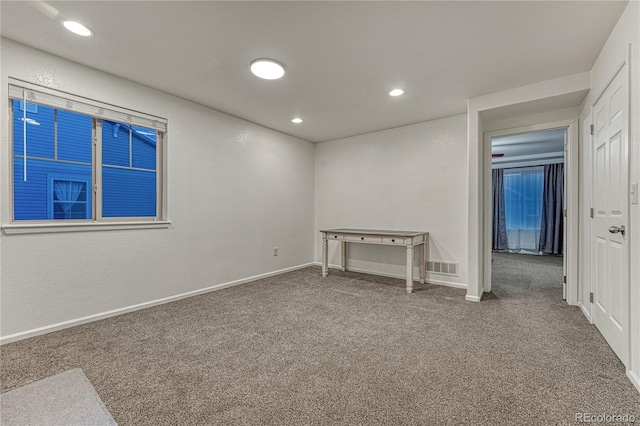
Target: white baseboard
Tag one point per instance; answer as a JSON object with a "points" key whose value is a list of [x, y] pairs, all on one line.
{"points": [[585, 312], [402, 277], [472, 298], [90, 318], [635, 379]]}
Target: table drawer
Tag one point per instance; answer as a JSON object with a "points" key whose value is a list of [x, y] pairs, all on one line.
{"points": [[336, 237], [363, 238], [393, 240]]}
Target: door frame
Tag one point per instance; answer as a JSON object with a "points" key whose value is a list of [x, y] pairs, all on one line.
{"points": [[571, 163], [586, 222]]}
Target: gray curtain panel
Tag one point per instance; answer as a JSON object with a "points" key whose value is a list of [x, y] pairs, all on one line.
{"points": [[499, 239], [552, 226]]}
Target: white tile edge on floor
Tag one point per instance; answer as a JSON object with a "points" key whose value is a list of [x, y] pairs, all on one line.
{"points": [[90, 318]]}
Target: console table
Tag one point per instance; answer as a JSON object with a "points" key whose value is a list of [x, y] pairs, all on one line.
{"points": [[407, 239]]}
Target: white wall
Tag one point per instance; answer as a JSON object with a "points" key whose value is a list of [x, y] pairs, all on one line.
{"points": [[531, 119], [614, 53], [236, 190], [408, 178]]}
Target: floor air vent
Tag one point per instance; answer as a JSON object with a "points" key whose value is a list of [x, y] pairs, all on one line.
{"points": [[444, 268]]}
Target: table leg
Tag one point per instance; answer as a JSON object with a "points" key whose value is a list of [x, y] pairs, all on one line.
{"points": [[344, 256], [325, 255], [423, 262], [409, 269]]}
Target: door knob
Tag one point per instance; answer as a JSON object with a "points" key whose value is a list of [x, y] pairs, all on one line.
{"points": [[616, 229]]}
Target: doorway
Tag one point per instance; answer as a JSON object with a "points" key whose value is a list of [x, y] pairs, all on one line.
{"points": [[528, 226], [570, 210]]}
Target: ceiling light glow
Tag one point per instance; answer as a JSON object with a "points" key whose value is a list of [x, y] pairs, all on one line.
{"points": [[396, 92], [267, 69], [77, 28], [297, 120]]}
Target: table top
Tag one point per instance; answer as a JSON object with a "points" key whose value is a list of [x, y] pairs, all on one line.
{"points": [[374, 232]]}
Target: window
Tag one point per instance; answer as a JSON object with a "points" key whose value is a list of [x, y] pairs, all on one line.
{"points": [[523, 206], [77, 162], [128, 170], [69, 198]]}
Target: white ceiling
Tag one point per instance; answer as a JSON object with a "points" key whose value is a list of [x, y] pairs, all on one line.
{"points": [[531, 146], [342, 58]]}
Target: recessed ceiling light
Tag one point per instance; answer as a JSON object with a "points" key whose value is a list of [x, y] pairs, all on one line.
{"points": [[267, 69], [396, 92], [77, 28], [297, 120]]}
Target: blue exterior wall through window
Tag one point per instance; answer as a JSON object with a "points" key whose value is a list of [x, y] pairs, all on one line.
{"points": [[60, 143], [128, 170]]}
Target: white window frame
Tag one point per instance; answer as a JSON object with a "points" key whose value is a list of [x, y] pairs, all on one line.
{"points": [[22, 90]]}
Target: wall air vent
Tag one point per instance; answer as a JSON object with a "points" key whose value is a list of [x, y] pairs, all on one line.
{"points": [[443, 268]]}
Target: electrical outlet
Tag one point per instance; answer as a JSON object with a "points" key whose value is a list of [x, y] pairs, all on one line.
{"points": [[275, 251]]}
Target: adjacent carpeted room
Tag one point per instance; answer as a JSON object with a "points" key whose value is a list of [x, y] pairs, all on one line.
{"points": [[299, 349]]}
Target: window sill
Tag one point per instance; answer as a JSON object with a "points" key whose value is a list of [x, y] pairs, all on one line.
{"points": [[46, 228]]}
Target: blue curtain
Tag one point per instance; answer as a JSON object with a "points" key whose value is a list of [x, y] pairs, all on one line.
{"points": [[551, 227], [499, 238]]}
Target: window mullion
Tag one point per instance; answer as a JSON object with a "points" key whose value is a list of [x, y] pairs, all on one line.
{"points": [[160, 182], [97, 169], [11, 163]]}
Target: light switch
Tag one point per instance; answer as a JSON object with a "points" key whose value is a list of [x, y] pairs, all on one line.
{"points": [[634, 193]]}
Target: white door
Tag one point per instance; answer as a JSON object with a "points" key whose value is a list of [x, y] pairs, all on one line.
{"points": [[610, 248]]}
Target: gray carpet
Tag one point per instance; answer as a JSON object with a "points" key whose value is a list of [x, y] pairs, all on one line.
{"points": [[66, 399], [351, 349]]}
